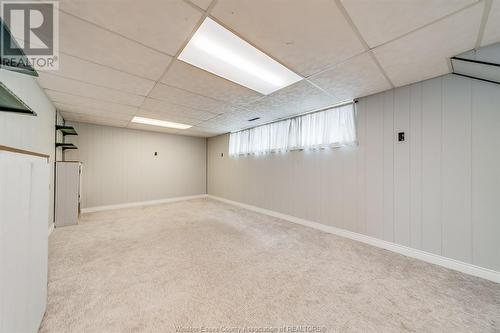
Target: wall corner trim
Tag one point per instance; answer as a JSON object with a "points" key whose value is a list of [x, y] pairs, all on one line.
{"points": [[141, 203], [449, 263], [51, 228]]}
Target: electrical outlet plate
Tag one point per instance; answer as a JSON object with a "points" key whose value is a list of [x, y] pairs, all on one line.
{"points": [[397, 136]]}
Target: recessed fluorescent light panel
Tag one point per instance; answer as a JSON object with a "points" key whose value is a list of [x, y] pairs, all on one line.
{"points": [[219, 51], [162, 123]]}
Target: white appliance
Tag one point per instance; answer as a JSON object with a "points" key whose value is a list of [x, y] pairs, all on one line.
{"points": [[68, 185]]}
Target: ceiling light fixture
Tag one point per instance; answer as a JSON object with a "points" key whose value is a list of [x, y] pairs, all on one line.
{"points": [[162, 123], [219, 51]]}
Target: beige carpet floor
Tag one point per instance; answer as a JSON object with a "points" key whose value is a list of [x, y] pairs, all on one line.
{"points": [[200, 264]]}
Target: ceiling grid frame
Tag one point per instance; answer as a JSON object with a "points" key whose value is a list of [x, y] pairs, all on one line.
{"points": [[115, 32], [252, 44], [85, 82], [206, 13], [362, 40], [200, 21], [428, 24], [304, 78], [381, 51], [484, 19], [92, 98]]}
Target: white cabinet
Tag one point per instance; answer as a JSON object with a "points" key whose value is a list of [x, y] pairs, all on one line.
{"points": [[24, 221], [67, 202]]}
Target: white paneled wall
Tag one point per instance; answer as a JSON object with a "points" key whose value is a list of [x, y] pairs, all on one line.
{"points": [[119, 165], [485, 181], [28, 132], [24, 206], [439, 191], [24, 131]]}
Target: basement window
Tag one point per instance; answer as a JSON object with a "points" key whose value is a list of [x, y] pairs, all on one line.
{"points": [[334, 127]]}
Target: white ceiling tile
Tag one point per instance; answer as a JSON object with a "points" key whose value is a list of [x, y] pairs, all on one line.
{"points": [[188, 77], [82, 110], [54, 82], [104, 121], [297, 98], [354, 78], [163, 25], [220, 122], [425, 53], [188, 99], [305, 36], [167, 108], [81, 70], [232, 121], [492, 29], [382, 21], [83, 118], [64, 98], [201, 132], [79, 110], [203, 4], [87, 41]]}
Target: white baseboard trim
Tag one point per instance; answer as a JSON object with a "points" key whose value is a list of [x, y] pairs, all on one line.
{"points": [[141, 203], [460, 266], [51, 228]]}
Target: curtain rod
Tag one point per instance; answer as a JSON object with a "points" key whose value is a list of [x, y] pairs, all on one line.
{"points": [[354, 101]]}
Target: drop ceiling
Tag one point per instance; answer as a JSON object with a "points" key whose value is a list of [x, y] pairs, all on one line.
{"points": [[119, 59]]}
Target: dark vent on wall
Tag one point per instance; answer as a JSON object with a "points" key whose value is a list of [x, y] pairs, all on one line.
{"points": [[254, 119]]}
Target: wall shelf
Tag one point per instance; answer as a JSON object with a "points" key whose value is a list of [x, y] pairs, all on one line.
{"points": [[66, 130], [65, 146]]}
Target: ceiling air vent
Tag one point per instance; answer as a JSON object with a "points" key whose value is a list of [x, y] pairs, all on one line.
{"points": [[481, 64], [254, 119]]}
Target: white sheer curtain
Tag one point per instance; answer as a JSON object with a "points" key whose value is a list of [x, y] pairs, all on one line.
{"points": [[333, 127]]}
